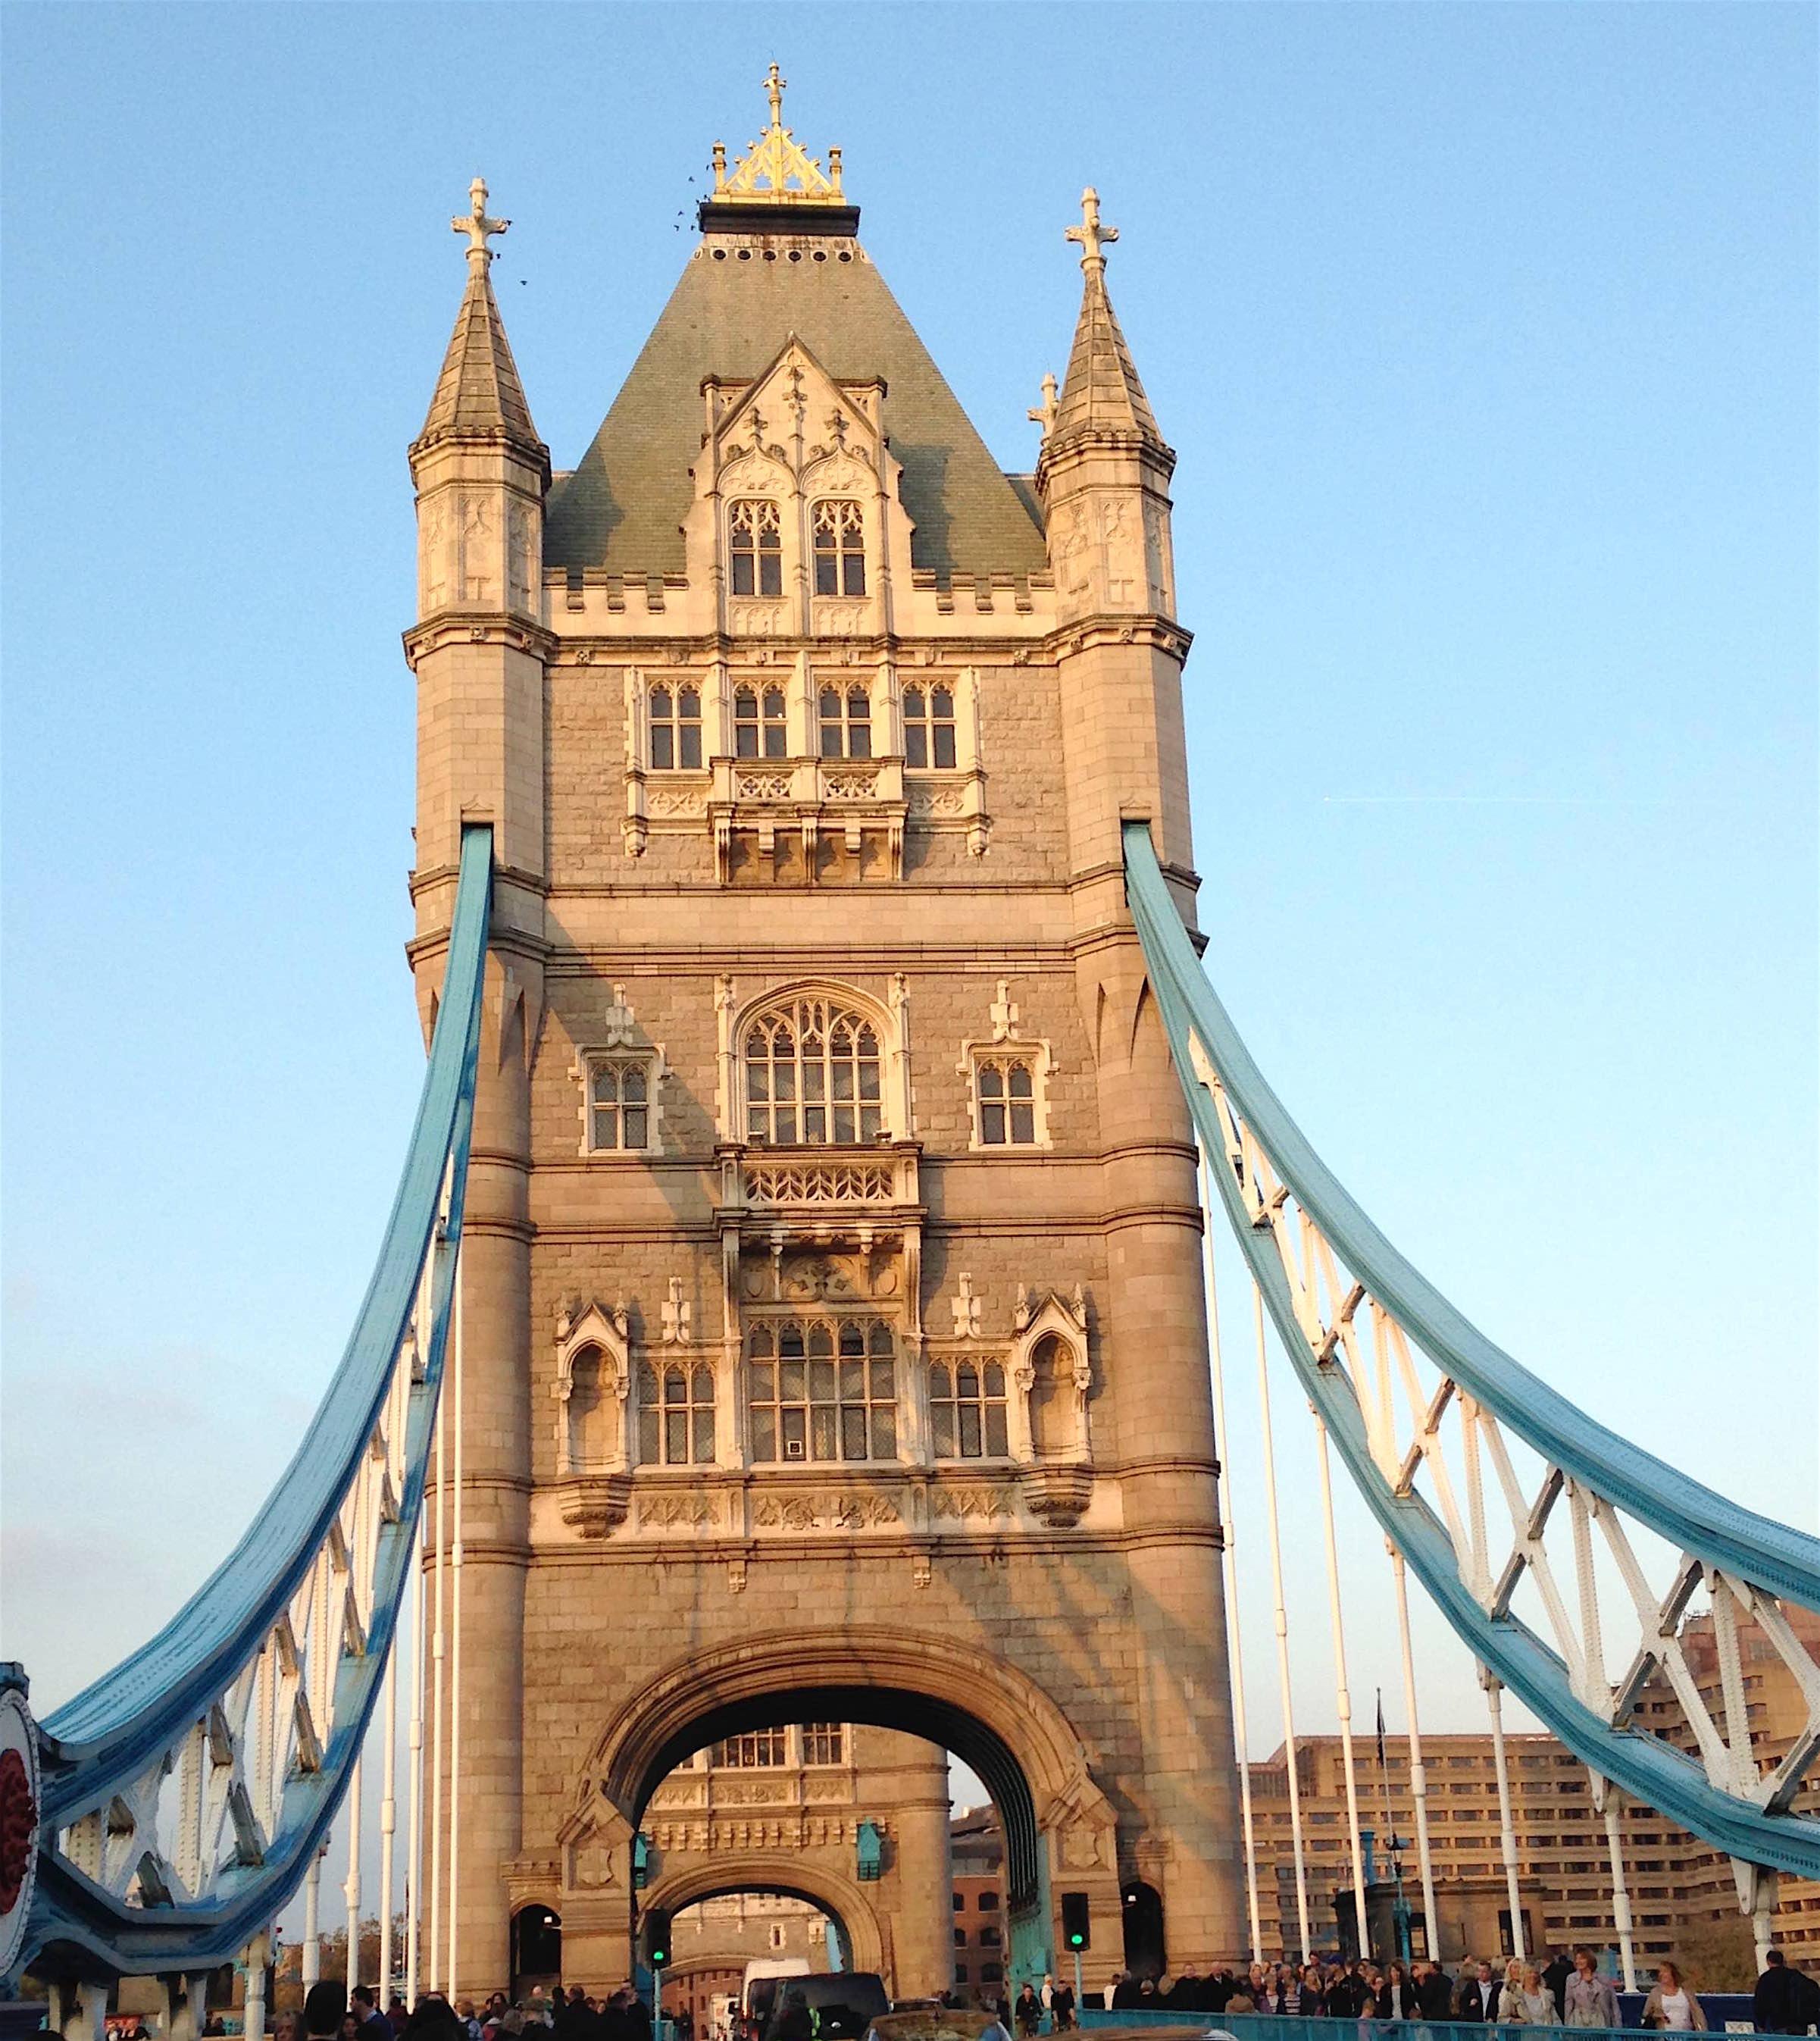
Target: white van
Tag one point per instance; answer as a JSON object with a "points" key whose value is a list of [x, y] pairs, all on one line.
{"points": [[763, 1972]]}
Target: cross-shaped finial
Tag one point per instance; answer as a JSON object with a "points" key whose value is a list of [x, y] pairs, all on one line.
{"points": [[774, 85], [1090, 233], [1045, 414], [475, 224]]}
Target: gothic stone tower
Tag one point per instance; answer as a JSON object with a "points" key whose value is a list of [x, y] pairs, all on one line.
{"points": [[834, 1336]]}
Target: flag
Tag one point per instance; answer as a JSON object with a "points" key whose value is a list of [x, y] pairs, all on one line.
{"points": [[1383, 1769]]}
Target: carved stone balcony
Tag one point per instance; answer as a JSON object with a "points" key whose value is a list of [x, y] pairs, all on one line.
{"points": [[820, 1190], [770, 798]]}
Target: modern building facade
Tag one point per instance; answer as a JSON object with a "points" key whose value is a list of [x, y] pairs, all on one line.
{"points": [[834, 1344]]}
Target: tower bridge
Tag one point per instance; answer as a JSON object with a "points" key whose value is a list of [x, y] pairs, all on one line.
{"points": [[796, 1306]]}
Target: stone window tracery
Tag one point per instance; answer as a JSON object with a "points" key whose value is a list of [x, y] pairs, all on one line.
{"points": [[967, 1410], [760, 717], [812, 1075], [839, 535], [675, 1414], [758, 1749], [846, 719], [824, 1743], [618, 1105], [1004, 1101], [822, 1389], [755, 546], [675, 729], [929, 728]]}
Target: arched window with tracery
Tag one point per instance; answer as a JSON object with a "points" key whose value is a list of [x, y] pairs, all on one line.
{"points": [[675, 1414], [846, 719], [675, 727], [839, 549], [822, 1389], [755, 546], [967, 1410], [929, 728], [812, 1075], [760, 723]]}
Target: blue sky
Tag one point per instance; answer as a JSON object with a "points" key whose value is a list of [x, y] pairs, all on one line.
{"points": [[1485, 335]]}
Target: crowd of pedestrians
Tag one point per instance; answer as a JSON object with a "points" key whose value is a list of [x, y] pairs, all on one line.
{"points": [[331, 2013]]}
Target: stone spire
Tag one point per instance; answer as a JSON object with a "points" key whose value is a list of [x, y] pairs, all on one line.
{"points": [[478, 395], [1101, 392]]}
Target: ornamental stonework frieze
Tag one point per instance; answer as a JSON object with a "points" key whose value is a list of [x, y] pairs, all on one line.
{"points": [[838, 1511]]}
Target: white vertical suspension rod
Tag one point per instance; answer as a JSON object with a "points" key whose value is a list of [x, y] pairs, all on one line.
{"points": [[388, 1820], [1342, 1694], [311, 1968], [1235, 1652], [436, 1953], [1282, 1624], [454, 1682], [414, 1788], [1506, 1821], [1417, 1773], [350, 1891], [1620, 1891]]}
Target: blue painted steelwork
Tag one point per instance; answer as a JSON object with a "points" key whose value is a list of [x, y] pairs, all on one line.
{"points": [[1720, 1533], [98, 1744]]}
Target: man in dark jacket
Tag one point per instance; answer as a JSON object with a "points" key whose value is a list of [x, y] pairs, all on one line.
{"points": [[1349, 1994], [1434, 1992], [1780, 2004], [1479, 1996], [1554, 1976]]}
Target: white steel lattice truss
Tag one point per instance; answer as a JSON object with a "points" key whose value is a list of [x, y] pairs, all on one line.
{"points": [[1501, 1497]]}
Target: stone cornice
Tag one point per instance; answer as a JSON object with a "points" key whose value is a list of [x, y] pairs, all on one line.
{"points": [[450, 627], [1086, 633]]}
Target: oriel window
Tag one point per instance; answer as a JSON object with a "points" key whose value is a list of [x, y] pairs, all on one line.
{"points": [[755, 532], [929, 728], [839, 549], [759, 729], [675, 724], [846, 720]]}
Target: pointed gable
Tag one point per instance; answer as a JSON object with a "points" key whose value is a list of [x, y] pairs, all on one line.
{"points": [[733, 309]]}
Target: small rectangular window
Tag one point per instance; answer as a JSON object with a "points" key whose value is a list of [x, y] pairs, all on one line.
{"points": [[929, 728], [618, 1105]]}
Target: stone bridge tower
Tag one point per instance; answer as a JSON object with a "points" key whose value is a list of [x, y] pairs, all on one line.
{"points": [[834, 1338]]}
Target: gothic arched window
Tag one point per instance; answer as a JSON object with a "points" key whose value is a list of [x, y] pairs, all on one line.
{"points": [[812, 1075], [967, 1410], [756, 536], [846, 723], [759, 722], [839, 549], [675, 724], [675, 1414], [822, 1389], [1004, 1093], [929, 728]]}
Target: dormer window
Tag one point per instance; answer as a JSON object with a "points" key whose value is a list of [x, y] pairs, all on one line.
{"points": [[676, 723], [758, 723], [839, 549], [846, 723], [929, 728], [756, 535]]}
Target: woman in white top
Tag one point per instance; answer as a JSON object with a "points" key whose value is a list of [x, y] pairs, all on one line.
{"points": [[1670, 2004]]}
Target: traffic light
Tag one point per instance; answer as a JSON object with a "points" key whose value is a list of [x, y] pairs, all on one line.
{"points": [[658, 1937], [1076, 1933]]}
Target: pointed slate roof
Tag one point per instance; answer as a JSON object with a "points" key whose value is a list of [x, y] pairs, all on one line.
{"points": [[1101, 391], [478, 394], [732, 309]]}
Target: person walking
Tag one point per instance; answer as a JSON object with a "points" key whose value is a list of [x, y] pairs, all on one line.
{"points": [[1537, 2001], [1556, 1975], [1591, 2000], [1029, 2010], [1785, 2000], [1434, 1992], [1479, 1995], [1671, 2002], [1396, 1996]]}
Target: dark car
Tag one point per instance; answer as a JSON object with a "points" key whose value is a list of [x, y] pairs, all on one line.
{"points": [[841, 2005]]}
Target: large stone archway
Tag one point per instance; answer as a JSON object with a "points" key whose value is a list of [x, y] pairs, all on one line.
{"points": [[1060, 1828], [793, 1877]]}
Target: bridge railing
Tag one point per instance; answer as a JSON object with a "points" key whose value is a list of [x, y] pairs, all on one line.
{"points": [[1491, 1485], [187, 1793]]}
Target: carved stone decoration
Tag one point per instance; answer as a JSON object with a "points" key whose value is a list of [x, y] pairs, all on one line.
{"points": [[1082, 1849], [843, 1510], [675, 1512], [596, 1505], [593, 1379], [1057, 1494], [969, 1505], [966, 1309]]}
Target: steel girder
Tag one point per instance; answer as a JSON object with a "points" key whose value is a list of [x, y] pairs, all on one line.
{"points": [[1360, 1324], [186, 1792]]}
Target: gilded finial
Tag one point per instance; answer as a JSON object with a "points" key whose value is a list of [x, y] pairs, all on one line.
{"points": [[1090, 234], [1045, 414], [477, 226], [776, 170]]}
